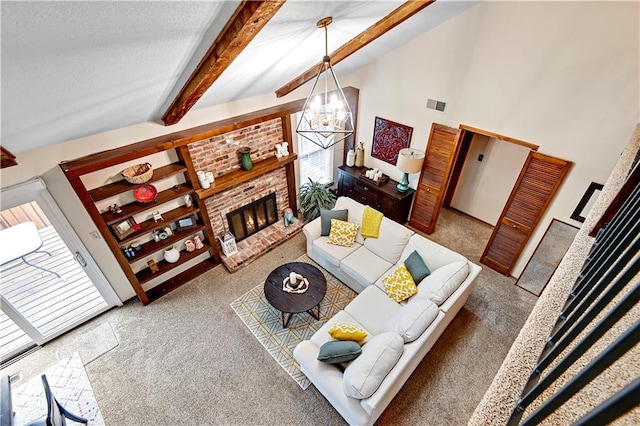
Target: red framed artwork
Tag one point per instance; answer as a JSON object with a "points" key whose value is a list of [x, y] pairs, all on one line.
{"points": [[389, 138]]}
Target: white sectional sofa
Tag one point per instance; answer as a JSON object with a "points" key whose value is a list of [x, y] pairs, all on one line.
{"points": [[400, 334]]}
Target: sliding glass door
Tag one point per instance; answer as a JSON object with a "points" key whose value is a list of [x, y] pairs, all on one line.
{"points": [[48, 282]]}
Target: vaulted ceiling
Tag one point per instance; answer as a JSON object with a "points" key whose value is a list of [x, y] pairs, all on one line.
{"points": [[75, 68]]}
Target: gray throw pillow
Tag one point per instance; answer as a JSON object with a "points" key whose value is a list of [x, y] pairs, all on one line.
{"points": [[337, 351], [416, 267], [325, 219]]}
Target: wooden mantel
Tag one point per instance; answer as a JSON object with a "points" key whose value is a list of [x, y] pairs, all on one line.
{"points": [[236, 177]]}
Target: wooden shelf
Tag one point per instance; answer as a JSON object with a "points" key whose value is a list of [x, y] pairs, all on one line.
{"points": [[236, 177], [136, 207], [146, 275], [121, 186], [180, 279], [153, 246], [167, 218]]}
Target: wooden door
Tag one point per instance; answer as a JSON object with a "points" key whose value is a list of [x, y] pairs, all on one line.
{"points": [[442, 149], [539, 180]]}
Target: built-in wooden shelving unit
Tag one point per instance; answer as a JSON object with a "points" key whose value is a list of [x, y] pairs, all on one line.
{"points": [[135, 267]]}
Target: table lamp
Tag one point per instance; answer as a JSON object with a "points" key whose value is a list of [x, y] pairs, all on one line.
{"points": [[409, 161]]}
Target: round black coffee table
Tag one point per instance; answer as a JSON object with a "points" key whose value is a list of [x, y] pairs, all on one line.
{"points": [[295, 303]]}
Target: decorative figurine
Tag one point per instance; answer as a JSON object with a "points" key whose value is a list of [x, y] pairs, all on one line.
{"points": [[168, 231], [288, 216], [152, 265], [189, 246], [278, 150], [197, 240], [188, 202]]}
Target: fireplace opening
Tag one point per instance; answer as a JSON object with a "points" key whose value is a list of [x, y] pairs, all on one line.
{"points": [[249, 219]]}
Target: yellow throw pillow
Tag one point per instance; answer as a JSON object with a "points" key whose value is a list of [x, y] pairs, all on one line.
{"points": [[342, 331], [400, 285], [371, 220], [342, 233]]}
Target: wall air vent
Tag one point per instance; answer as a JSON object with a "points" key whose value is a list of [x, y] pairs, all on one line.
{"points": [[437, 105]]}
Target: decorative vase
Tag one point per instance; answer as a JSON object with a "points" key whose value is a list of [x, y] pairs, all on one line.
{"points": [[171, 255], [360, 155], [245, 158], [351, 158]]}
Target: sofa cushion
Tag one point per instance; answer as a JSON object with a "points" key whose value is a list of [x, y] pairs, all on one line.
{"points": [[327, 215], [399, 285], [391, 240], [338, 351], [322, 336], [412, 319], [347, 331], [333, 253], [343, 233], [416, 267], [371, 309], [364, 266], [442, 282], [363, 376], [355, 213], [371, 220]]}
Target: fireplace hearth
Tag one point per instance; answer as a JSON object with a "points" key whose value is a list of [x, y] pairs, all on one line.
{"points": [[253, 217]]}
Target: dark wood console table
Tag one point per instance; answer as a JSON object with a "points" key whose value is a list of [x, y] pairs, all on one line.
{"points": [[384, 198]]}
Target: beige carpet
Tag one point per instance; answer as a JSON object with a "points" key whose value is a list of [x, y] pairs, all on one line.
{"points": [[265, 323], [186, 359]]}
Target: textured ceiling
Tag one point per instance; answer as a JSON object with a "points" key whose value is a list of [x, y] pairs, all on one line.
{"points": [[71, 69]]}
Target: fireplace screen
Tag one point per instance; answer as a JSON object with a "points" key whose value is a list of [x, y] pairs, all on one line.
{"points": [[253, 217]]}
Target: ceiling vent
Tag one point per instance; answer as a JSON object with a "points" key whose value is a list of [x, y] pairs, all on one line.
{"points": [[437, 105]]}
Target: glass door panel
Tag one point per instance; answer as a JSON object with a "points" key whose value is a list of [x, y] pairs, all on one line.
{"points": [[45, 289]]}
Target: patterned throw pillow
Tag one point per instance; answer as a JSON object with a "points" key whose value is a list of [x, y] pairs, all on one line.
{"points": [[399, 284], [343, 331], [343, 233]]}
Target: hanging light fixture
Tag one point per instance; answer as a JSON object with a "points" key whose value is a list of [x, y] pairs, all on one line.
{"points": [[326, 118]]}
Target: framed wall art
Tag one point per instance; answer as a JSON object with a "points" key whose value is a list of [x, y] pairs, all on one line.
{"points": [[389, 138]]}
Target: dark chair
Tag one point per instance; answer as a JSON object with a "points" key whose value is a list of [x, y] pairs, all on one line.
{"points": [[56, 413], [6, 410]]}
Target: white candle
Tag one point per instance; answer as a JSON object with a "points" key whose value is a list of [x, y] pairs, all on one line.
{"points": [[293, 278]]}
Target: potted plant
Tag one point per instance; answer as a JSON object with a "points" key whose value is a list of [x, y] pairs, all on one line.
{"points": [[313, 197]]}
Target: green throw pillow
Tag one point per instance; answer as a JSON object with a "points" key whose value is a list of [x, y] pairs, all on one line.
{"points": [[325, 219], [416, 267], [337, 351]]}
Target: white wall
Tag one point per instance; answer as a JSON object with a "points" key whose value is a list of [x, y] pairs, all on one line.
{"points": [[562, 75], [484, 186]]}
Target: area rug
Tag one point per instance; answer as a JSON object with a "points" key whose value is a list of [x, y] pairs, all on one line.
{"points": [[69, 384], [264, 321]]}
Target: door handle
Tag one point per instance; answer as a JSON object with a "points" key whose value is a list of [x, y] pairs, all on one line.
{"points": [[80, 259]]}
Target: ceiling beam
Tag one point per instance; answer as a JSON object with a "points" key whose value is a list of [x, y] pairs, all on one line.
{"points": [[398, 16], [247, 21], [7, 159]]}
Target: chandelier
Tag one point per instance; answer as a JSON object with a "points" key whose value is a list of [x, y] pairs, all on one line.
{"points": [[326, 118]]}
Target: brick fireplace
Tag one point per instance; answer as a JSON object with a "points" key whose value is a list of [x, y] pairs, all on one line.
{"points": [[219, 155]]}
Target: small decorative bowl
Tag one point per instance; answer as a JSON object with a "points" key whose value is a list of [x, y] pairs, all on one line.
{"points": [[145, 193]]}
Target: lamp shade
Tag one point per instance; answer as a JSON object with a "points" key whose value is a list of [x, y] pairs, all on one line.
{"points": [[410, 160]]}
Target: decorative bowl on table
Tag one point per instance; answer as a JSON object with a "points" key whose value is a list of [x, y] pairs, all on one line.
{"points": [[145, 193]]}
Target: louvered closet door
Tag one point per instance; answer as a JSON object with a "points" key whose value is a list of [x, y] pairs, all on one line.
{"points": [[442, 149], [538, 182]]}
